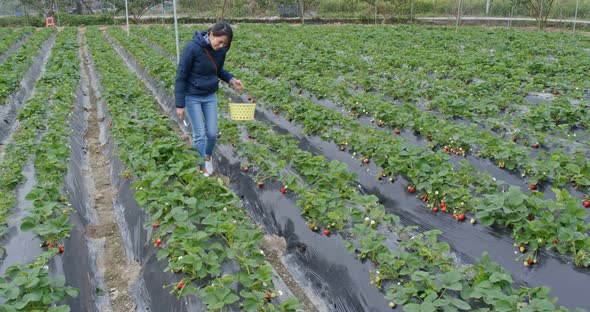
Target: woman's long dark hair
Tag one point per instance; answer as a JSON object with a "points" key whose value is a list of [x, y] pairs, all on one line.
{"points": [[222, 29]]}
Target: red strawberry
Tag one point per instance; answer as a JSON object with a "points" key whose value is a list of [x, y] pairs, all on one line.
{"points": [[380, 124], [555, 241], [533, 187], [396, 131], [180, 285], [461, 217], [327, 232], [531, 218], [514, 139], [530, 261], [260, 185], [536, 145], [267, 298], [158, 242], [342, 148], [430, 138], [443, 205], [283, 190], [365, 160], [555, 92], [425, 197], [586, 203], [443, 209], [245, 169], [249, 99], [61, 248], [156, 224], [383, 175], [50, 246], [251, 137], [435, 209], [454, 216], [411, 189]]}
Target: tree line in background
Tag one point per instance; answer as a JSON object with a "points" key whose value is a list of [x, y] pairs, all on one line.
{"points": [[541, 10]]}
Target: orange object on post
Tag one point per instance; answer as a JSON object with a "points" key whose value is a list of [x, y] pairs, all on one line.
{"points": [[49, 21]]}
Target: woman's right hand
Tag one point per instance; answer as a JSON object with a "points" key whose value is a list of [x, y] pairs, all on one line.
{"points": [[180, 113]]}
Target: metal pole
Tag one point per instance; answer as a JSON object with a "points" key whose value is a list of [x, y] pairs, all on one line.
{"points": [[575, 16], [176, 32], [127, 17], [57, 14], [458, 16]]}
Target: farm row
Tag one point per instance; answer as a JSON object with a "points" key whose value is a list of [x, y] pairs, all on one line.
{"points": [[432, 174], [317, 214], [199, 227]]}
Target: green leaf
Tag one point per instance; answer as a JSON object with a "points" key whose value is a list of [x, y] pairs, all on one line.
{"points": [[63, 308], [460, 304]]}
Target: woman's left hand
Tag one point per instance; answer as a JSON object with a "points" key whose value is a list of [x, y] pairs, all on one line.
{"points": [[237, 84]]}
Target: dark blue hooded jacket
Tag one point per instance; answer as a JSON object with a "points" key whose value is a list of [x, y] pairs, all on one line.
{"points": [[196, 74]]}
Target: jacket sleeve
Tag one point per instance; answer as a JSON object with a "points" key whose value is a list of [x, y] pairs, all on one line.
{"points": [[182, 73], [224, 74]]}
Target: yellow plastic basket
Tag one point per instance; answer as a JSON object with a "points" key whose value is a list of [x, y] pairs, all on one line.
{"points": [[241, 111]]}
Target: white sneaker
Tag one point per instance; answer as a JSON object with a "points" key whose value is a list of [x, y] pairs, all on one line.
{"points": [[209, 166]]}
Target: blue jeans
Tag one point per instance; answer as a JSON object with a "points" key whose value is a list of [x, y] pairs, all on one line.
{"points": [[202, 113]]}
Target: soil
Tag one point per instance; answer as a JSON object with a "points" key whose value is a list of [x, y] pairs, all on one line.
{"points": [[119, 272], [274, 246]]}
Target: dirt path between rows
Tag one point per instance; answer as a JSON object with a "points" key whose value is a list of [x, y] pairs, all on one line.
{"points": [[118, 271]]}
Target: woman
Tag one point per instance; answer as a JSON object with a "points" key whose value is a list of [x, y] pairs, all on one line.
{"points": [[197, 82]]}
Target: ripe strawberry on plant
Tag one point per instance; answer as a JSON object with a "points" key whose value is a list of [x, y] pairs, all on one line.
{"points": [[283, 190], [327, 232], [533, 187], [411, 189], [156, 224], [342, 148], [180, 286], [536, 145], [586, 203], [260, 185], [365, 160], [396, 131], [424, 197], [245, 169], [555, 92], [461, 217], [434, 209], [61, 248], [158, 242]]}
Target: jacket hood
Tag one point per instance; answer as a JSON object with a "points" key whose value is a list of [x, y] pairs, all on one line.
{"points": [[199, 39]]}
